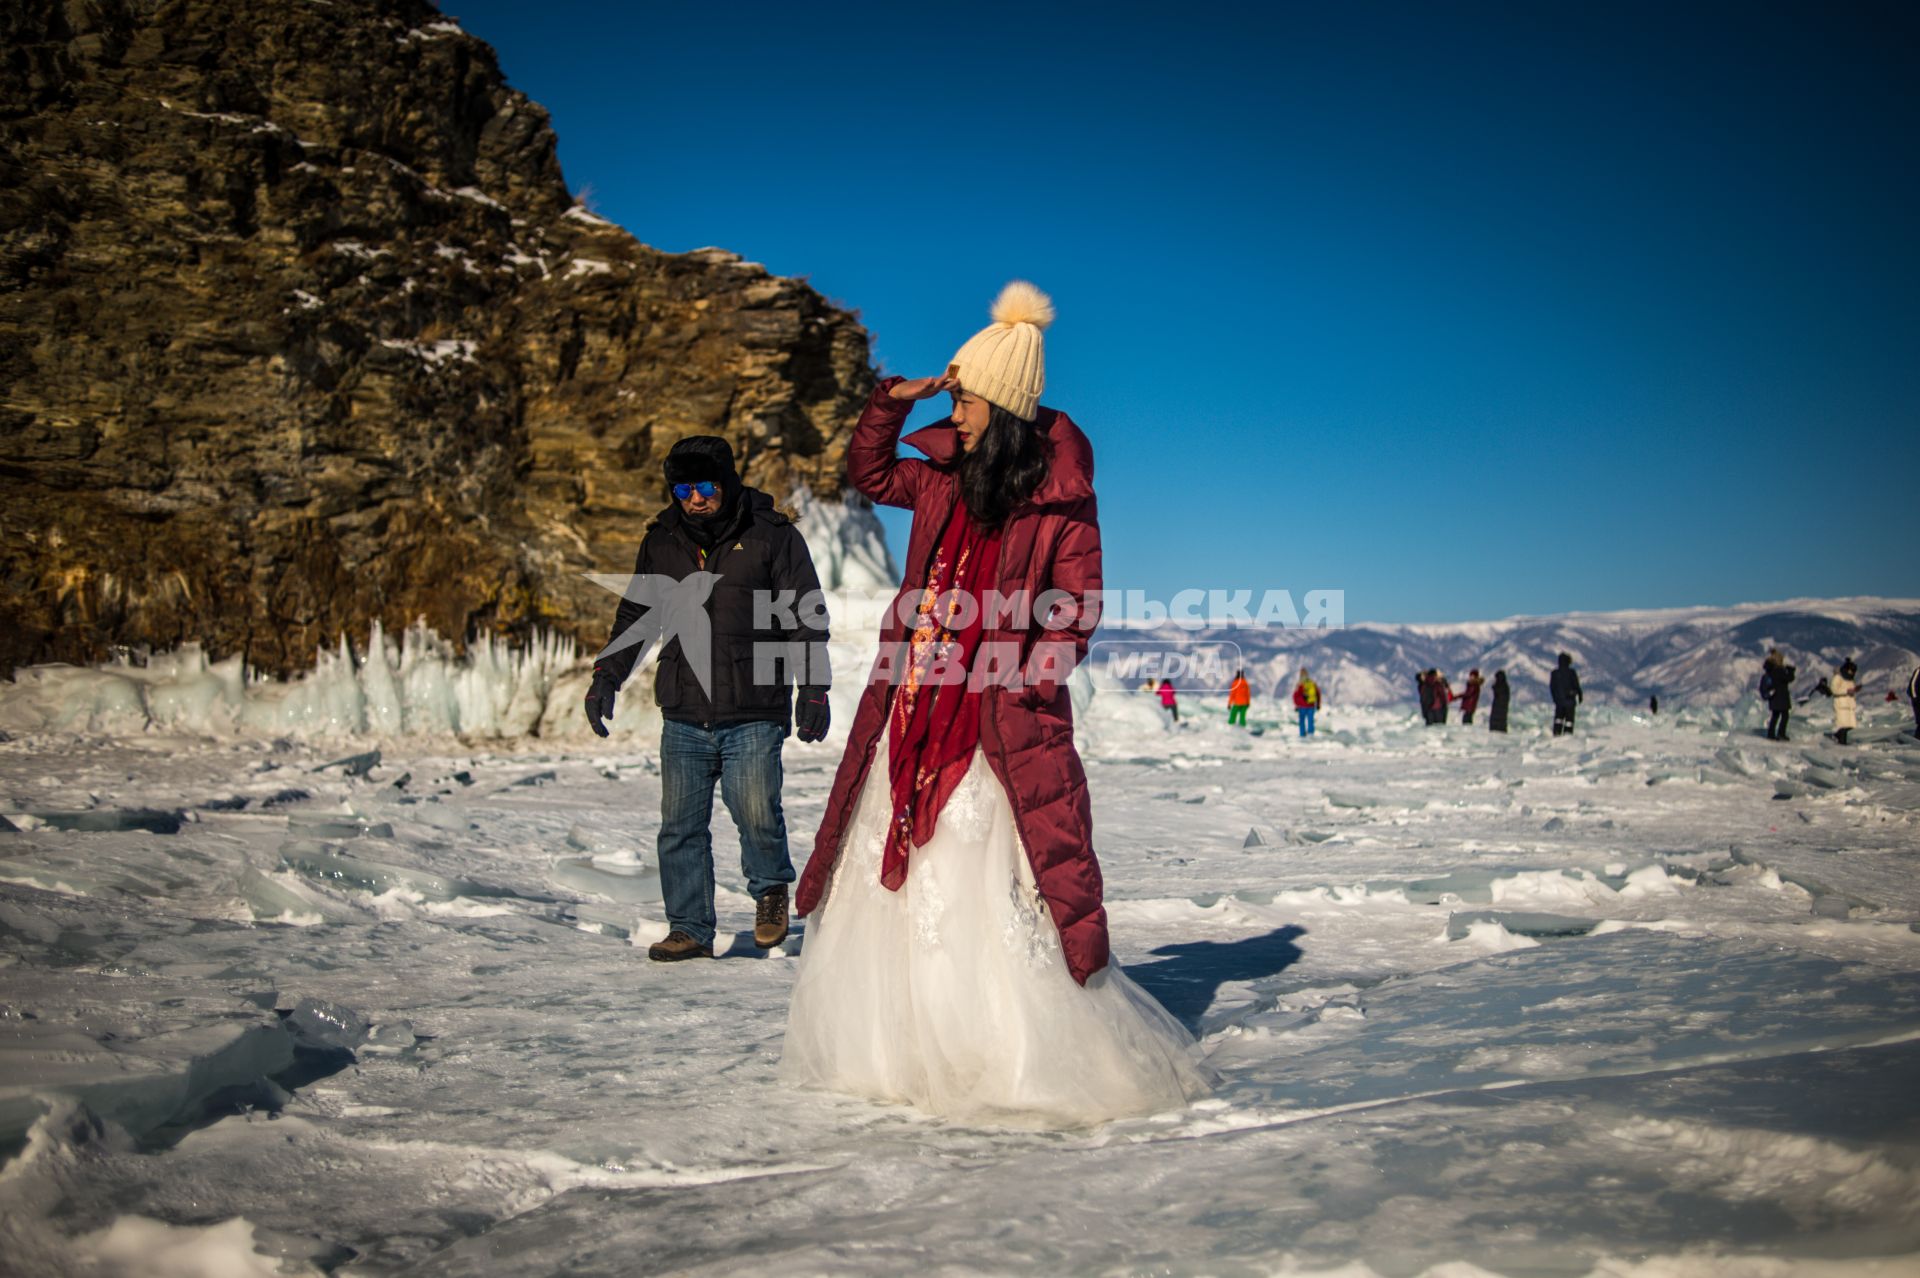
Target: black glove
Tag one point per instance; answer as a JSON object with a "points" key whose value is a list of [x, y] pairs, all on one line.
{"points": [[600, 700], [811, 714]]}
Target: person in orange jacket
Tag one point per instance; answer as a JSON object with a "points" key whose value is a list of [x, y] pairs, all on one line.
{"points": [[1306, 700], [1239, 697]]}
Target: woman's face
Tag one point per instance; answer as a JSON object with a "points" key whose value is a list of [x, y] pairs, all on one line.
{"points": [[970, 414]]}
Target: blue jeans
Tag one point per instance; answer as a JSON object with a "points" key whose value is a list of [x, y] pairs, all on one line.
{"points": [[745, 759], [1306, 720]]}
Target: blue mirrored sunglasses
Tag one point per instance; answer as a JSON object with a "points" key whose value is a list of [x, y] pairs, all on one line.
{"points": [[706, 488]]}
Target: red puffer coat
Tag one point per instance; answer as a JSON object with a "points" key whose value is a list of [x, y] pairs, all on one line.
{"points": [[1051, 542], [1470, 699]]}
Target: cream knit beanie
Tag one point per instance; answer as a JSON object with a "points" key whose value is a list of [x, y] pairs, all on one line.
{"points": [[1005, 363]]}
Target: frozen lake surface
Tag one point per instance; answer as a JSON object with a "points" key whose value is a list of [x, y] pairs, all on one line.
{"points": [[1645, 1001]]}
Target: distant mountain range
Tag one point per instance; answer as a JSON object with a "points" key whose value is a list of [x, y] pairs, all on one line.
{"points": [[1700, 658]]}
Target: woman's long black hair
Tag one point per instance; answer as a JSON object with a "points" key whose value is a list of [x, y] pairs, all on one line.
{"points": [[1004, 468]]}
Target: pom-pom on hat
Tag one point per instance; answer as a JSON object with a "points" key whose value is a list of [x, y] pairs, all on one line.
{"points": [[1005, 362]]}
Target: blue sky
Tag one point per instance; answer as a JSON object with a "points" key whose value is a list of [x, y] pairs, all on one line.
{"points": [[1465, 309]]}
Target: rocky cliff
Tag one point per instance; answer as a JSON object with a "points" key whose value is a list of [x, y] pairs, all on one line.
{"points": [[300, 328]]}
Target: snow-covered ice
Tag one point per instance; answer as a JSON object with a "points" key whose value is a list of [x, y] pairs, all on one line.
{"points": [[1479, 1005], [347, 975]]}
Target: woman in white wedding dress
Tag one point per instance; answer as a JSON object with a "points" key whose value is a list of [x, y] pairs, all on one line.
{"points": [[957, 960]]}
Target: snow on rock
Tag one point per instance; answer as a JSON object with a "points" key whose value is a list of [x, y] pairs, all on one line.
{"points": [[434, 354], [580, 266], [479, 196], [434, 31]]}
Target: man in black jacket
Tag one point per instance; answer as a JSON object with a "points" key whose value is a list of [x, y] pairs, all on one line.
{"points": [[1776, 688], [1564, 684], [1502, 697], [727, 585]]}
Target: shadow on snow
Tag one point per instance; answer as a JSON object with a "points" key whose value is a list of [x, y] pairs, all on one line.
{"points": [[1192, 972]]}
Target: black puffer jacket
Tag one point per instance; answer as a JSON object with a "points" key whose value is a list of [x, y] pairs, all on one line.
{"points": [[1564, 685], [1780, 693], [758, 550]]}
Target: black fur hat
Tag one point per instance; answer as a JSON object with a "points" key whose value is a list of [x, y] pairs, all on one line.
{"points": [[699, 457]]}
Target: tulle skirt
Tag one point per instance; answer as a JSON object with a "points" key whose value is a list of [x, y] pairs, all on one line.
{"points": [[952, 994]]}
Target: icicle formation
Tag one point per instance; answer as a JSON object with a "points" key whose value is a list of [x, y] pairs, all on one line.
{"points": [[424, 688]]}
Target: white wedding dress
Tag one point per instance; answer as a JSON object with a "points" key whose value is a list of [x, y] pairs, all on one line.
{"points": [[952, 994]]}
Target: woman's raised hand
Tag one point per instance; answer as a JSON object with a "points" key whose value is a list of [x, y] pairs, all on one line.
{"points": [[925, 387]]}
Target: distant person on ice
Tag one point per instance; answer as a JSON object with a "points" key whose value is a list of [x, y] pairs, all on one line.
{"points": [[1443, 695], [1653, 704], [1470, 699], [1169, 703], [725, 711], [957, 958], [1776, 689], [1424, 692], [1239, 697], [1564, 686], [1913, 698], [1306, 701], [1502, 696], [1845, 708]]}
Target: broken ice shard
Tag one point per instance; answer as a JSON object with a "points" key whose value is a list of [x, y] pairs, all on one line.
{"points": [[327, 1026], [354, 765], [113, 820], [1520, 923], [319, 862]]}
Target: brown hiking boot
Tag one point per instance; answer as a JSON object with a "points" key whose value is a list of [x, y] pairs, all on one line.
{"points": [[677, 945], [770, 918]]}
